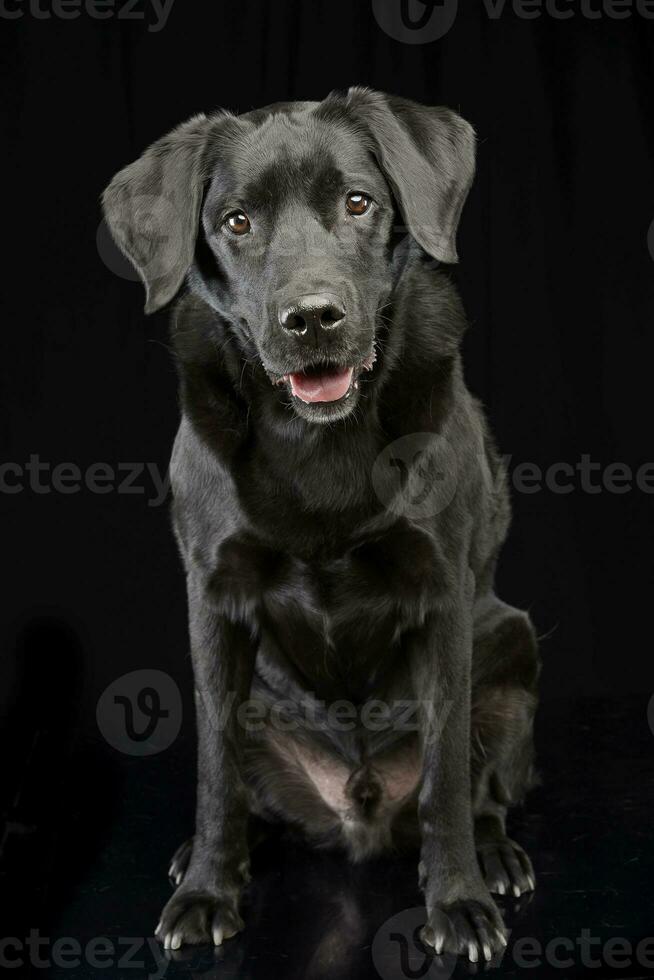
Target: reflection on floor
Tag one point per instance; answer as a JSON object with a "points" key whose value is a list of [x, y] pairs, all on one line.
{"points": [[96, 872]]}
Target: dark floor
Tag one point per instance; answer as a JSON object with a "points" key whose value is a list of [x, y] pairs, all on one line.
{"points": [[95, 869]]}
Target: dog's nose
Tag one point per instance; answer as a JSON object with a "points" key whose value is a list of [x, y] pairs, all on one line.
{"points": [[308, 316]]}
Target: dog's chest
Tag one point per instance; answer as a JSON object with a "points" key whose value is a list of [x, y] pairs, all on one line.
{"points": [[339, 620]]}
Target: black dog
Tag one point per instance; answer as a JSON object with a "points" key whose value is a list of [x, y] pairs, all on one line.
{"points": [[338, 503]]}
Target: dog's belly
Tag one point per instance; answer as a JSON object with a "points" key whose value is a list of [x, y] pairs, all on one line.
{"points": [[334, 800], [383, 782]]}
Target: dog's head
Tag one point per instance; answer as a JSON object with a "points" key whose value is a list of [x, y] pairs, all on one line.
{"points": [[285, 220]]}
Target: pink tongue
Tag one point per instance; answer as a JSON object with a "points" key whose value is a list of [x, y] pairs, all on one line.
{"points": [[327, 387]]}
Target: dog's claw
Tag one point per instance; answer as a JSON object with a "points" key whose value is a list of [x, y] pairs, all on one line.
{"points": [[193, 916], [506, 866], [180, 862], [465, 928]]}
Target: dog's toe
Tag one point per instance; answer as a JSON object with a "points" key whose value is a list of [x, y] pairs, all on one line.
{"points": [[195, 917], [506, 867], [180, 861], [470, 929]]}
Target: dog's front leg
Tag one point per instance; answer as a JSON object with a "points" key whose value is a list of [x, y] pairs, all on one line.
{"points": [[204, 907], [461, 915]]}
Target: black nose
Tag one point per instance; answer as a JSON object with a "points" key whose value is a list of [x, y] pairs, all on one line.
{"points": [[309, 315]]}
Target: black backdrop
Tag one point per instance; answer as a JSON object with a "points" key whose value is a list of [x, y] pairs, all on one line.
{"points": [[556, 275]]}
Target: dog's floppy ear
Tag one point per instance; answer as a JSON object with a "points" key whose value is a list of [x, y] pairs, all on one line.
{"points": [[152, 208], [427, 155]]}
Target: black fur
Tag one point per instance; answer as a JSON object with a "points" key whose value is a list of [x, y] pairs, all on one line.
{"points": [[313, 575]]}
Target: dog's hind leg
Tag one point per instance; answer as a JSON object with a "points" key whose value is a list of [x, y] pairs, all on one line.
{"points": [[505, 674]]}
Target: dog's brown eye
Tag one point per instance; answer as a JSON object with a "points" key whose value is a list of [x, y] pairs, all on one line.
{"points": [[357, 202], [238, 223]]}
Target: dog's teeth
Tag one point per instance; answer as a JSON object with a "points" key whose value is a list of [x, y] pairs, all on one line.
{"points": [[356, 384], [217, 936]]}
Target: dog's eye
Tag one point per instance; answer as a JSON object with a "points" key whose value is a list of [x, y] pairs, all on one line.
{"points": [[358, 203], [237, 222]]}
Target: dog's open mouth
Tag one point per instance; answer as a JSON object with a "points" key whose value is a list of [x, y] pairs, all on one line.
{"points": [[322, 383], [325, 383]]}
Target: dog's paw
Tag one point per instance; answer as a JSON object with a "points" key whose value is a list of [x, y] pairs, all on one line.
{"points": [[506, 867], [180, 861], [472, 928], [193, 917]]}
